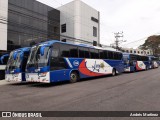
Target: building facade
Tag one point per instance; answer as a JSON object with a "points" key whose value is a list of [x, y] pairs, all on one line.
{"points": [[27, 22], [3, 24], [79, 23], [24, 23], [138, 51]]}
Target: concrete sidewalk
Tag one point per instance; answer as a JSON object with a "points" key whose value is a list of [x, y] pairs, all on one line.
{"points": [[3, 82]]}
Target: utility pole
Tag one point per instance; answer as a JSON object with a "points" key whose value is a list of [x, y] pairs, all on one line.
{"points": [[118, 35]]}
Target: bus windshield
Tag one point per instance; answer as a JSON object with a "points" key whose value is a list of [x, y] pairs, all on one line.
{"points": [[36, 59], [14, 63], [125, 59], [17, 62], [155, 59], [10, 60], [32, 56]]}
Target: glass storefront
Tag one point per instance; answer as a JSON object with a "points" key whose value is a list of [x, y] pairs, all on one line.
{"points": [[31, 22]]}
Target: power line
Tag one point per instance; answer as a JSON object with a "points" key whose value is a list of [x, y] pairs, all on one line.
{"points": [[132, 42], [118, 35], [139, 40]]}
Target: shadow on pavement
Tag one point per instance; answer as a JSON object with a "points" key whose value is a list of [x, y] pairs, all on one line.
{"points": [[46, 85], [22, 83]]}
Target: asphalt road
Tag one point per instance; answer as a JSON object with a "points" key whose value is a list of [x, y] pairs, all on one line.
{"points": [[138, 91]]}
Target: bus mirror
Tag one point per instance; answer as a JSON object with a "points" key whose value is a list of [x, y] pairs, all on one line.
{"points": [[42, 50], [21, 55], [2, 58], [15, 55]]}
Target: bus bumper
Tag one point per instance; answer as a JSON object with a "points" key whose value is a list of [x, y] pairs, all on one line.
{"points": [[38, 77], [128, 69], [14, 77]]}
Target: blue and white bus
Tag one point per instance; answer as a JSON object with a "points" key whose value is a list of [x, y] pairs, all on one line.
{"points": [[15, 69], [55, 61], [134, 62], [3, 62], [153, 61]]}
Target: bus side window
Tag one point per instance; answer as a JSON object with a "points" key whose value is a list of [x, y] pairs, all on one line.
{"points": [[65, 50], [120, 56], [105, 54], [102, 54], [73, 51], [110, 55], [86, 52], [56, 61], [115, 56], [92, 54], [55, 53], [81, 52], [96, 54]]}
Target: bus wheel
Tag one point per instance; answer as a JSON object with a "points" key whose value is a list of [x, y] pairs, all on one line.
{"points": [[74, 77], [113, 72]]}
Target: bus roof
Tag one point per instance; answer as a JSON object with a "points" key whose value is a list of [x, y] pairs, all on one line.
{"points": [[22, 49], [134, 54], [152, 56], [25, 49], [50, 42]]}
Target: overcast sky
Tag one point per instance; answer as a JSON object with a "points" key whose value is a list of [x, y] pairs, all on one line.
{"points": [[138, 19]]}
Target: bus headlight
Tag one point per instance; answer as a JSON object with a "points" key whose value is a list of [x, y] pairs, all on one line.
{"points": [[43, 74], [16, 75]]}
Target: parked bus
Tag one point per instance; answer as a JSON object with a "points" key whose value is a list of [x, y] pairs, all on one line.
{"points": [[134, 62], [3, 62], [153, 61], [15, 69], [55, 61]]}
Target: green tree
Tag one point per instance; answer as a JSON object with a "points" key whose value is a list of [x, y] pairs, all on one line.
{"points": [[153, 43]]}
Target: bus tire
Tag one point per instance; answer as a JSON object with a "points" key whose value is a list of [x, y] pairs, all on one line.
{"points": [[114, 72], [74, 77]]}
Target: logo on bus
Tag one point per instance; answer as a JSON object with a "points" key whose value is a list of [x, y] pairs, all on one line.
{"points": [[141, 65], [97, 67], [76, 63]]}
